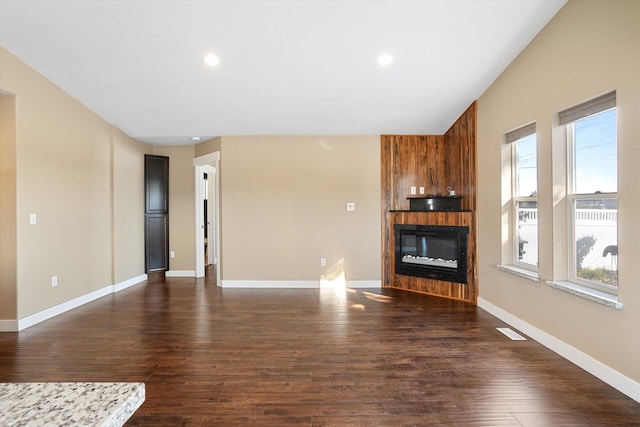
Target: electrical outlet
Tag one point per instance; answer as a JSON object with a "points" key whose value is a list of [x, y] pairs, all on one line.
{"points": [[413, 190], [172, 254], [54, 281], [323, 262], [421, 190], [351, 206]]}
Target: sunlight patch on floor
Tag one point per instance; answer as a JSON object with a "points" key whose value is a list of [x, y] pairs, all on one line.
{"points": [[377, 297]]}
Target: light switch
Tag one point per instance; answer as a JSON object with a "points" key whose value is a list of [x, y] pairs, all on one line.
{"points": [[33, 218], [413, 190], [351, 207], [421, 190]]}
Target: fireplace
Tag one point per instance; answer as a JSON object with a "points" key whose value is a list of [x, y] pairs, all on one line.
{"points": [[432, 251]]}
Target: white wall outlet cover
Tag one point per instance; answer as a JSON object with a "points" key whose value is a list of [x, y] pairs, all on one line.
{"points": [[351, 206], [33, 218], [413, 190], [421, 190]]}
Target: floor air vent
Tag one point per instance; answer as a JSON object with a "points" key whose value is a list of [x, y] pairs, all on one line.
{"points": [[512, 334]]}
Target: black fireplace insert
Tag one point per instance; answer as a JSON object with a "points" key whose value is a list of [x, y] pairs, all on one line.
{"points": [[432, 251]]}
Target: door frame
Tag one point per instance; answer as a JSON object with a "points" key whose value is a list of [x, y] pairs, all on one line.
{"points": [[201, 165], [210, 226]]}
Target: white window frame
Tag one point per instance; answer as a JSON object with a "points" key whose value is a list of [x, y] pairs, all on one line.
{"points": [[513, 138], [572, 196]]}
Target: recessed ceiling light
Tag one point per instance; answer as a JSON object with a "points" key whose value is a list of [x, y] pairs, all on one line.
{"points": [[195, 138], [385, 59], [211, 59]]}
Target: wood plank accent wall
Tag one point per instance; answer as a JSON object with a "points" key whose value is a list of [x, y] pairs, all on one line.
{"points": [[434, 162], [405, 163], [461, 167]]}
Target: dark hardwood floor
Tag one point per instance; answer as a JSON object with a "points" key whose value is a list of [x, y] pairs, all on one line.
{"points": [[226, 357]]}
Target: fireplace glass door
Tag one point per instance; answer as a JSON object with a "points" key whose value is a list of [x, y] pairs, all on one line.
{"points": [[435, 252]]}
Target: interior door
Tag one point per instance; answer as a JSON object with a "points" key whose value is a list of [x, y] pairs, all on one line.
{"points": [[210, 217], [156, 213]]}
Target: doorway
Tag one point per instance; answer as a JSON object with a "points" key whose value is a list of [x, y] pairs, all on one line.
{"points": [[207, 236], [208, 212]]}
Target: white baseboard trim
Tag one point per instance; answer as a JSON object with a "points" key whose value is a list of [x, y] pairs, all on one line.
{"points": [[180, 273], [8, 325], [598, 369], [130, 282], [41, 316], [294, 284], [364, 284]]}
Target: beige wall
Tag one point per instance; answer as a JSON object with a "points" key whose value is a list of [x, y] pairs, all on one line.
{"points": [[63, 175], [283, 207], [8, 236], [589, 48], [208, 147], [128, 205], [181, 205], [64, 165]]}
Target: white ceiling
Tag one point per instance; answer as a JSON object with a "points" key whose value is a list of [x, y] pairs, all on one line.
{"points": [[296, 67]]}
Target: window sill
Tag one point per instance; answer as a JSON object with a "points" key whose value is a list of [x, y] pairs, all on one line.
{"points": [[599, 297], [521, 272]]}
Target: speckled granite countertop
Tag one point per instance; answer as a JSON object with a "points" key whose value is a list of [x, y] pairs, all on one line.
{"points": [[69, 404]]}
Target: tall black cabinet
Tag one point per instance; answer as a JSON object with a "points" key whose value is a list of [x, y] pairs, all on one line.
{"points": [[156, 213]]}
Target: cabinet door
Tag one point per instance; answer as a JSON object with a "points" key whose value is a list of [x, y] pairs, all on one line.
{"points": [[156, 213]]}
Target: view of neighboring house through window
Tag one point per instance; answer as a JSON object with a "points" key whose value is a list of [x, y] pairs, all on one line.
{"points": [[592, 193], [524, 196]]}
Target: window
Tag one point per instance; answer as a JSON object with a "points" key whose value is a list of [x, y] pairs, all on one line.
{"points": [[592, 194], [524, 191]]}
